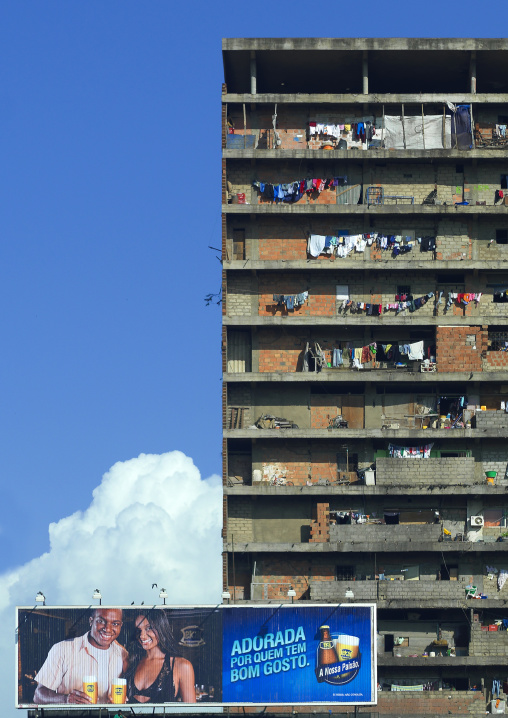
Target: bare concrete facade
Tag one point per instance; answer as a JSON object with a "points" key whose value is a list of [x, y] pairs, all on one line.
{"points": [[367, 470]]}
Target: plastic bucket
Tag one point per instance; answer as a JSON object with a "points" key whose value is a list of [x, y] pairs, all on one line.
{"points": [[491, 474], [491, 481]]}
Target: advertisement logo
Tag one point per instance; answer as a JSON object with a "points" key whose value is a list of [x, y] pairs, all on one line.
{"points": [[338, 657]]}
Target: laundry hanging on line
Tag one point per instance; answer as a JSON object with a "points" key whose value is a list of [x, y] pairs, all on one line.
{"points": [[293, 191], [410, 452], [291, 301]]}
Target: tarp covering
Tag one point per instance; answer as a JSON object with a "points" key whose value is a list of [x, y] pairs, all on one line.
{"points": [[418, 134]]}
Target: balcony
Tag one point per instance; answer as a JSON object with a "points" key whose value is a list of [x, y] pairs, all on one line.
{"points": [[443, 472], [425, 593]]}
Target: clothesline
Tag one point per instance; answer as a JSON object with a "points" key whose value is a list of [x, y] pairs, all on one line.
{"points": [[293, 191], [410, 452], [291, 300], [360, 355], [343, 245]]}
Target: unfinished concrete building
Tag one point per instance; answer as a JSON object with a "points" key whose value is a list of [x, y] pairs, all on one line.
{"points": [[365, 347]]}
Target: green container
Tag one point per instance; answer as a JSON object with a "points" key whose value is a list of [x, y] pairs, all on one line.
{"points": [[491, 474]]}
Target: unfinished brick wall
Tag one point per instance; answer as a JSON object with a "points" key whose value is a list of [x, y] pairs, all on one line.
{"points": [[455, 353], [239, 526], [309, 460], [320, 526], [280, 350], [495, 361], [240, 397], [296, 571], [241, 290], [324, 407], [488, 643], [454, 239], [431, 703], [408, 472]]}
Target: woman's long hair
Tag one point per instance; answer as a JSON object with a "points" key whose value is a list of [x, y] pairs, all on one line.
{"points": [[160, 625]]}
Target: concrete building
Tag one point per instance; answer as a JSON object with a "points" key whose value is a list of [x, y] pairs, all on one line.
{"points": [[365, 272]]}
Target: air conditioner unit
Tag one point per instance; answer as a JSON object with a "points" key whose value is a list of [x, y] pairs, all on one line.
{"points": [[476, 520]]}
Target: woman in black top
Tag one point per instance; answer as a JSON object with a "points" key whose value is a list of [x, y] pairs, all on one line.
{"points": [[155, 674]]}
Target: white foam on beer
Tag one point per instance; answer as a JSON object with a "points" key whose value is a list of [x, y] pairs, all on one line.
{"points": [[152, 519]]}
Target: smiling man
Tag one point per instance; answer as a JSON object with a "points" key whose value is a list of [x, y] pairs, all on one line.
{"points": [[96, 653]]}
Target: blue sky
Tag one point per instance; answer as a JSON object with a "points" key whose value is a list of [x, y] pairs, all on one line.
{"points": [[110, 191]]}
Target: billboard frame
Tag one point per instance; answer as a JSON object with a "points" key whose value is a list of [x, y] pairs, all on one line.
{"points": [[275, 605]]}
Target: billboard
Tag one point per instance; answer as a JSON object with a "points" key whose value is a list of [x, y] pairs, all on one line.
{"points": [[215, 655]]}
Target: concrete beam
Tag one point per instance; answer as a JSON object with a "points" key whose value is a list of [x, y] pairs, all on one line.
{"points": [[492, 98], [425, 435], [353, 320], [409, 210], [441, 661], [239, 44], [339, 376], [452, 547], [392, 265], [366, 156], [481, 489]]}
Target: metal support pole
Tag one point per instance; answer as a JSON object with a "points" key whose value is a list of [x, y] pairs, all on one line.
{"points": [[253, 73], [365, 72], [472, 72]]}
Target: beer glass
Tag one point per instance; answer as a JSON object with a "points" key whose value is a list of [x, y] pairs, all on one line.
{"points": [[90, 687], [346, 648], [119, 690]]}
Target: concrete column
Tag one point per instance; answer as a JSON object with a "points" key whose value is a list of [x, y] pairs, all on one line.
{"points": [[253, 73], [472, 72], [365, 72]]}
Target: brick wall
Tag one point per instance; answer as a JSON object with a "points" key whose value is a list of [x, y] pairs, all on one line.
{"points": [[322, 408], [388, 590], [295, 571], [452, 352], [320, 526], [488, 643], [240, 396], [241, 290], [239, 524], [280, 350], [431, 703], [306, 460], [491, 420], [367, 533], [495, 361], [425, 472], [246, 291]]}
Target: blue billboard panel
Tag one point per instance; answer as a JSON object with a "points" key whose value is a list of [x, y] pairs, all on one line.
{"points": [[215, 655], [311, 654]]}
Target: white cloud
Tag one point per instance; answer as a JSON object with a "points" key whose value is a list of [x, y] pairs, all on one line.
{"points": [[152, 520]]}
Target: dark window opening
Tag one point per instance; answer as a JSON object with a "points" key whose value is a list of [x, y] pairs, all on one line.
{"points": [[504, 181], [347, 462], [501, 236], [450, 279], [389, 642], [403, 289], [345, 573], [498, 341], [238, 244]]}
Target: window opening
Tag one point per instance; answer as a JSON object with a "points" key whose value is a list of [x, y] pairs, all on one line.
{"points": [[238, 244], [501, 236], [345, 573]]}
